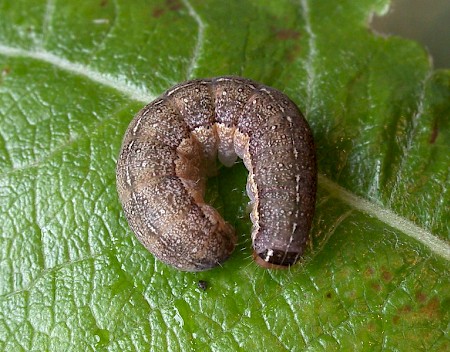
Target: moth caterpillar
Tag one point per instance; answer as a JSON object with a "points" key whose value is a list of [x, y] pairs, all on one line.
{"points": [[171, 145]]}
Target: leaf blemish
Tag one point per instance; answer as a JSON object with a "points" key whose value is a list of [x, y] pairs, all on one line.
{"points": [[157, 12], [386, 276], [286, 34], [173, 5], [376, 286], [421, 297], [369, 272], [434, 133], [431, 310]]}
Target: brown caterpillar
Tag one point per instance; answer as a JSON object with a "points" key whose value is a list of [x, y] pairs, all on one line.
{"points": [[171, 146]]}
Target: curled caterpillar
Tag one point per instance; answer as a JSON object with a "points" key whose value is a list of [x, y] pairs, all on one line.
{"points": [[170, 148]]}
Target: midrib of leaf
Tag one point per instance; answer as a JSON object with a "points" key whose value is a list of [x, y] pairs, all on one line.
{"points": [[432, 242], [388, 217], [121, 86]]}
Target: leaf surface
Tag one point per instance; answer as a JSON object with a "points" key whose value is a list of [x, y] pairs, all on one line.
{"points": [[72, 275]]}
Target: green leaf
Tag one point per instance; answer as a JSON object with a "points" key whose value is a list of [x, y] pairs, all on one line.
{"points": [[73, 276]]}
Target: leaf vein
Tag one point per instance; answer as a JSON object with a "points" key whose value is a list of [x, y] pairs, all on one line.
{"points": [[200, 39], [122, 86], [432, 242]]}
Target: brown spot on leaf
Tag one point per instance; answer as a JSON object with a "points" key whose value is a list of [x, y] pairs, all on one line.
{"points": [[434, 133], [328, 295], [395, 319], [173, 5], [376, 286], [431, 310], [158, 12], [371, 326], [286, 34], [405, 309], [386, 276], [293, 53], [103, 3], [369, 272], [421, 297]]}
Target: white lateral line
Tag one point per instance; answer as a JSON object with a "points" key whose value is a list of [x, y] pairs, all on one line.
{"points": [[121, 86], [388, 217]]}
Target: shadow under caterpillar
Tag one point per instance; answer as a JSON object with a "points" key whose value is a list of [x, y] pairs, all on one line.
{"points": [[170, 148]]}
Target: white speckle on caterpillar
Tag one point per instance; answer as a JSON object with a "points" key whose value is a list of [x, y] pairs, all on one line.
{"points": [[172, 143]]}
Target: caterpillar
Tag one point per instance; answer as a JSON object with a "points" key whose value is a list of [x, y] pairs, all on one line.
{"points": [[170, 148]]}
